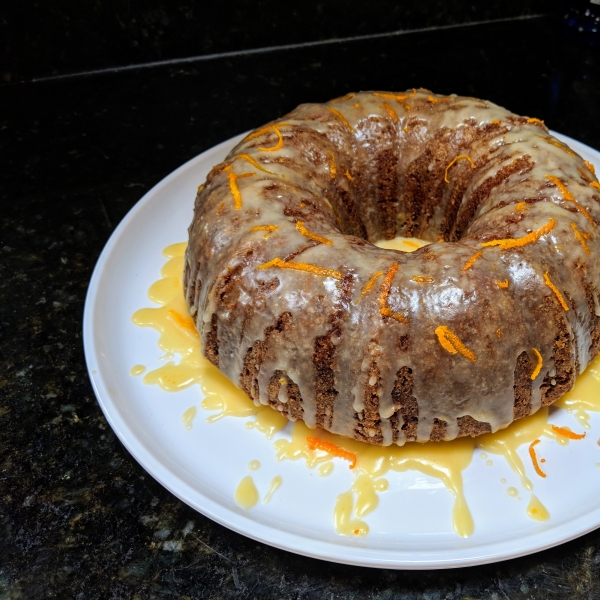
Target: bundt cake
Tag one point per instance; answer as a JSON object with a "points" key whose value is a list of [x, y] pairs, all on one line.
{"points": [[492, 320]]}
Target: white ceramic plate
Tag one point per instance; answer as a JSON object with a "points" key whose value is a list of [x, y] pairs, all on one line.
{"points": [[411, 528]]}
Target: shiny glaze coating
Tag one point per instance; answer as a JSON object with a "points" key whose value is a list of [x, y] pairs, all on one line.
{"points": [[296, 305]]}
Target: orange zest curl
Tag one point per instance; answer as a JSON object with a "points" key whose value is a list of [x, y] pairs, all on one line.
{"points": [[595, 185], [342, 118], [282, 264], [341, 98], [183, 322], [534, 460], [348, 176], [495, 122], [568, 433], [386, 286], [253, 163], [472, 260], [332, 169], [262, 130], [451, 342], [567, 196], [453, 161], [580, 237], [534, 120], [398, 97], [268, 228], [590, 167], [539, 365], [234, 189], [317, 444], [420, 279], [313, 236], [503, 285], [521, 206], [390, 111], [277, 146], [530, 238], [556, 292], [369, 286], [560, 145]]}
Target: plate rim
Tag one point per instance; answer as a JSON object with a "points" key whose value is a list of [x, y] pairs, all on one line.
{"points": [[347, 553]]}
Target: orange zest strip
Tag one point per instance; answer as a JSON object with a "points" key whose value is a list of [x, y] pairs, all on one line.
{"points": [[472, 260], [277, 146], [503, 285], [268, 228], [262, 130], [317, 444], [386, 311], [282, 264], [495, 122], [369, 286], [390, 111], [253, 162], [349, 177], [580, 237], [356, 105], [556, 292], [534, 460], [560, 145], [539, 365], [342, 118], [409, 243], [568, 433], [590, 166], [453, 161], [521, 206], [420, 279], [233, 187], [399, 96], [530, 238], [313, 236], [183, 322], [451, 342], [534, 120], [595, 185], [332, 169], [346, 97], [567, 196]]}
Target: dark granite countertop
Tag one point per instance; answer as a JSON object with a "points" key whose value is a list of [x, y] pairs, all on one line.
{"points": [[79, 517]]}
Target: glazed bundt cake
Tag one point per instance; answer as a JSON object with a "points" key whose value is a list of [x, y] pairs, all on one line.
{"points": [[492, 320]]}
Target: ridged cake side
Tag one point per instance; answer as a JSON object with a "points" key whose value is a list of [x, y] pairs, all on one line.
{"points": [[494, 319]]}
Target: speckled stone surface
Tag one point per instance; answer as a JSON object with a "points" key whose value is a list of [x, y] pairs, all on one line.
{"points": [[79, 518], [39, 39]]}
